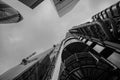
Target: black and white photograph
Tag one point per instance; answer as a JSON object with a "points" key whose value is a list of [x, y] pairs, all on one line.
{"points": [[59, 40]]}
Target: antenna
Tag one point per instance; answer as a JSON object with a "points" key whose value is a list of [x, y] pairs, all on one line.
{"points": [[31, 55]]}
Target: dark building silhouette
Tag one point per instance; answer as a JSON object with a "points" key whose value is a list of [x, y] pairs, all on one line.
{"points": [[31, 3], [90, 51], [9, 14]]}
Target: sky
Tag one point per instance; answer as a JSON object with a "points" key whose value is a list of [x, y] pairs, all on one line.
{"points": [[41, 28]]}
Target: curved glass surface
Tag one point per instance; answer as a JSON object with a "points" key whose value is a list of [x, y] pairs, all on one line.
{"points": [[9, 14]]}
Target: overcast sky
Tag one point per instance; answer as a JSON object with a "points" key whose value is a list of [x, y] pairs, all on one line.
{"points": [[41, 28]]}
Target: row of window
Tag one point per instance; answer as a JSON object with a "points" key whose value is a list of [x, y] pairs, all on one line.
{"points": [[40, 70], [97, 30], [110, 16], [111, 12], [111, 56]]}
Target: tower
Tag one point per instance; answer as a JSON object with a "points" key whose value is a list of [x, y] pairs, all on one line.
{"points": [[8, 14], [31, 3]]}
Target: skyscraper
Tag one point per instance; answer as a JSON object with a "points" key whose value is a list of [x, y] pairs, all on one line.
{"points": [[9, 14], [64, 6], [31, 3]]}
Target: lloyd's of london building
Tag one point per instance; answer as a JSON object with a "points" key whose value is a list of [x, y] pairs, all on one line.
{"points": [[90, 51]]}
